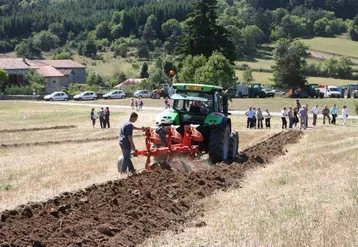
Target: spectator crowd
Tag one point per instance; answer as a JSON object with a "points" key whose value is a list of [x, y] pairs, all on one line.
{"points": [[295, 116]]}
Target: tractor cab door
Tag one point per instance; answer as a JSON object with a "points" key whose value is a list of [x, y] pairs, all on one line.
{"points": [[225, 102]]}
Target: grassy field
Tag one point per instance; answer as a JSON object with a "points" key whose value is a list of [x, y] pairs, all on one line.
{"points": [[111, 66], [338, 46], [305, 198]]}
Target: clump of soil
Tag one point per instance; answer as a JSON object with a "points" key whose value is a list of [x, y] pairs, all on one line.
{"points": [[126, 212]]}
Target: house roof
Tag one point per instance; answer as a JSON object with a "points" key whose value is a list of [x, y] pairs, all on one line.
{"points": [[49, 71], [13, 63], [65, 71], [58, 64]]}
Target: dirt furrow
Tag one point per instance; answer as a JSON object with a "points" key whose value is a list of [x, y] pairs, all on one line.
{"points": [[126, 212], [29, 144], [38, 129]]}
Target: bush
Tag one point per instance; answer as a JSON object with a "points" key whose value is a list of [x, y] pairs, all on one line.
{"points": [[63, 55], [356, 106], [16, 90], [75, 88]]}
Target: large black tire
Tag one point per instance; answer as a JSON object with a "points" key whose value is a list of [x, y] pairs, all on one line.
{"points": [[233, 145], [219, 144]]}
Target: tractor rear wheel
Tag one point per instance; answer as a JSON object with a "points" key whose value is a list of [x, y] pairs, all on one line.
{"points": [[219, 144], [233, 145]]}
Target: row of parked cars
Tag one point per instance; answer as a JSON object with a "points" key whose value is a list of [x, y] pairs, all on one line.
{"points": [[89, 95]]}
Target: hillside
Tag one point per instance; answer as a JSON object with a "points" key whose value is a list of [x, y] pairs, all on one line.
{"points": [[333, 46]]}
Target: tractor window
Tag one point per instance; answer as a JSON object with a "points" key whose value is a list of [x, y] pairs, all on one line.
{"points": [[218, 105]]}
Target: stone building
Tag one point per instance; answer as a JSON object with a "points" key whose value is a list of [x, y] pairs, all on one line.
{"points": [[58, 73]]}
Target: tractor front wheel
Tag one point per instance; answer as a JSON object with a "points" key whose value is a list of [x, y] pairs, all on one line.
{"points": [[219, 144]]}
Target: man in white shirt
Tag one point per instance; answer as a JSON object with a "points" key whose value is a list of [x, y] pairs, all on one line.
{"points": [[315, 112], [250, 117], [345, 115]]}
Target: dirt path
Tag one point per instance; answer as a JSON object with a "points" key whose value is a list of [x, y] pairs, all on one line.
{"points": [[126, 212]]}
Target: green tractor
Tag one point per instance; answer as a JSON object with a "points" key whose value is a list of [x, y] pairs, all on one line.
{"points": [[256, 91], [206, 107]]}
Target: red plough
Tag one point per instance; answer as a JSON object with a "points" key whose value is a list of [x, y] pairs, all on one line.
{"points": [[171, 150]]}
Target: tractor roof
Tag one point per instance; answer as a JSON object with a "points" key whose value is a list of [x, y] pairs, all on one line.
{"points": [[196, 87], [186, 97]]}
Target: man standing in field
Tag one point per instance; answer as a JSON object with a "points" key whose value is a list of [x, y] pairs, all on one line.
{"points": [[306, 120], [250, 116], [126, 143], [334, 113], [315, 112], [325, 113], [303, 114], [101, 117], [290, 117]]}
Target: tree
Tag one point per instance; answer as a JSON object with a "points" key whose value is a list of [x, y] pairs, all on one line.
{"points": [[190, 65], [121, 50], [88, 48], [144, 71], [290, 57], [59, 30], [45, 40], [4, 80], [149, 28], [344, 69], [247, 76], [217, 71], [36, 80], [171, 27], [143, 52], [28, 49], [203, 35], [102, 30], [116, 31], [94, 79], [252, 37]]}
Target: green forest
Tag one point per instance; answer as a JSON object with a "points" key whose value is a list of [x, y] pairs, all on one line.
{"points": [[58, 22]]}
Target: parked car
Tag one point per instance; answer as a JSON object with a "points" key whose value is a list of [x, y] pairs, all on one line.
{"points": [[143, 93], [56, 96], [116, 94], [279, 92], [88, 95], [268, 92]]}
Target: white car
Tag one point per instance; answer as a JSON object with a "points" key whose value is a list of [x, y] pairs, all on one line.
{"points": [[333, 92], [56, 96], [143, 93], [88, 95], [116, 94]]}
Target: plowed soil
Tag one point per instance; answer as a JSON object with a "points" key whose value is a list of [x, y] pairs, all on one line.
{"points": [[125, 212], [38, 129]]}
